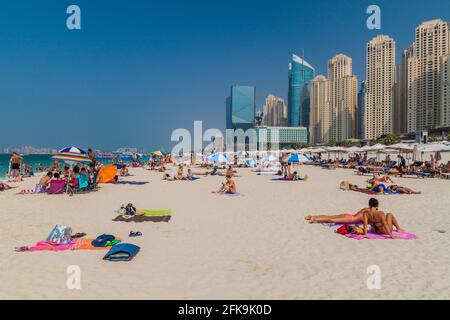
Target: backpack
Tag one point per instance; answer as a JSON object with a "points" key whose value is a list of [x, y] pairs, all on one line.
{"points": [[60, 235]]}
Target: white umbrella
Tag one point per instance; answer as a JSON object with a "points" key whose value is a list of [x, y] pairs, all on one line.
{"points": [[403, 147], [353, 150], [377, 147], [435, 147]]}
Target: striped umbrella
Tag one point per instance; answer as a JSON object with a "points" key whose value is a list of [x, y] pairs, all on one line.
{"points": [[72, 150], [73, 155]]}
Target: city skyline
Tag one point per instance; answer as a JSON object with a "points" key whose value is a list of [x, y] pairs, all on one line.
{"points": [[101, 69]]}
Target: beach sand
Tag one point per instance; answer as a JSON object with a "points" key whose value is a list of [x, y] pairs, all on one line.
{"points": [[216, 247]]}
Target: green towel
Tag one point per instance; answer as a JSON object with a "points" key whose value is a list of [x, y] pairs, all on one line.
{"points": [[154, 213]]}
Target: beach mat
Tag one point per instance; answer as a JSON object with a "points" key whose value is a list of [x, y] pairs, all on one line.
{"points": [[134, 183], [236, 194], [283, 179], [122, 252], [76, 244], [375, 236], [144, 215]]}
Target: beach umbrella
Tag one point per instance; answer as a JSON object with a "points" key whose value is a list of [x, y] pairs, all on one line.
{"points": [[72, 155], [219, 158], [158, 153], [318, 150], [377, 147], [435, 147], [296, 158], [403, 147], [353, 150], [250, 162], [72, 150], [269, 158]]}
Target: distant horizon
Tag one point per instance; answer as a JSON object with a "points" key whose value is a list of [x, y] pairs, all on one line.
{"points": [[137, 71]]}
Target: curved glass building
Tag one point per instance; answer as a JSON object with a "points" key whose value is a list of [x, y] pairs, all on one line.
{"points": [[300, 75]]}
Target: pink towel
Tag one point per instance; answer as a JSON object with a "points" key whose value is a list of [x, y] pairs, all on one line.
{"points": [[399, 235]]}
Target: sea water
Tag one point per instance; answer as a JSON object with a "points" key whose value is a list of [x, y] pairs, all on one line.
{"points": [[33, 160]]}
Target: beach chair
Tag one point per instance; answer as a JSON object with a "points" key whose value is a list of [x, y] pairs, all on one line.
{"points": [[57, 187], [80, 185]]}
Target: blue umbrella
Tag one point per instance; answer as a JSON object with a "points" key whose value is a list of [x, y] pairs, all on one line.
{"points": [[219, 158], [295, 158]]}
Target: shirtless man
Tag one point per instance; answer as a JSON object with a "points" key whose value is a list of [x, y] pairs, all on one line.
{"points": [[379, 178], [15, 165], [228, 187], [381, 222]]}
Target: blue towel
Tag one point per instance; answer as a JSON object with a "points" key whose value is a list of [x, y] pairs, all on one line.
{"points": [[122, 252]]}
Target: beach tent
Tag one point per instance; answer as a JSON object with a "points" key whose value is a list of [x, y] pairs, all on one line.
{"points": [[107, 174], [297, 158]]}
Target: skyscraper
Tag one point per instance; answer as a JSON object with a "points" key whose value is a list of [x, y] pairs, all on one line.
{"points": [[320, 115], [380, 77], [300, 75], [274, 112], [343, 98], [424, 75], [400, 111], [445, 92], [361, 106], [241, 107]]}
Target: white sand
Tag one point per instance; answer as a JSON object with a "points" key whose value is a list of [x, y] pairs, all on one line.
{"points": [[217, 247]]}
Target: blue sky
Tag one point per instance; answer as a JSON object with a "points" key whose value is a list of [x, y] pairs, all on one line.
{"points": [[139, 69]]}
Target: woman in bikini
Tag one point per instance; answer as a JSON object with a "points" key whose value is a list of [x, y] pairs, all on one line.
{"points": [[344, 218], [4, 186], [228, 187]]}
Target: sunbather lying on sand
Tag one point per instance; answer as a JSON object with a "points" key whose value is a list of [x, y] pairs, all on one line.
{"points": [[380, 222], [379, 178], [228, 187], [4, 186], [294, 177]]}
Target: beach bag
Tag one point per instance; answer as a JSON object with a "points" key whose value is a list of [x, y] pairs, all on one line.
{"points": [[128, 210], [60, 235], [343, 230]]}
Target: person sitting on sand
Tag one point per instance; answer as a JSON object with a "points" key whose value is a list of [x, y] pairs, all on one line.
{"points": [[380, 222], [42, 186], [189, 175], [179, 175], [228, 187], [167, 177], [124, 171]]}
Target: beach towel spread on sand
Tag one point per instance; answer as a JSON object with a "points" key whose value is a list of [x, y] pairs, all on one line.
{"points": [[144, 215], [371, 234], [76, 244]]}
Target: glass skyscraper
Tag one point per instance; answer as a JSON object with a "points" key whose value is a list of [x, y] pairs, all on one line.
{"points": [[241, 107], [300, 75]]}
